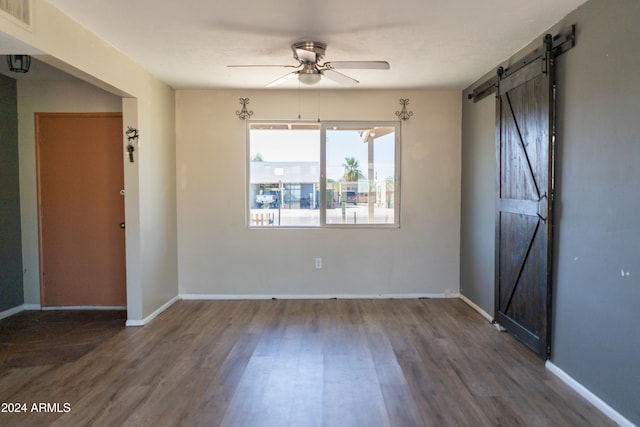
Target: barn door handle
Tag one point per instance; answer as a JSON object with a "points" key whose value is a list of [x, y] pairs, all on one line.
{"points": [[122, 225], [543, 206]]}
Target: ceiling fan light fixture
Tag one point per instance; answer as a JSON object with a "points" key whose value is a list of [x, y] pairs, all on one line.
{"points": [[309, 78], [19, 63]]}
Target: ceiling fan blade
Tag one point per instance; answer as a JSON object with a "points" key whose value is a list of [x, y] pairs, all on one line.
{"points": [[262, 65], [339, 78], [358, 65], [282, 79]]}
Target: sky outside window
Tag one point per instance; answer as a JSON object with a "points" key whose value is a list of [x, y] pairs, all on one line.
{"points": [[304, 146]]}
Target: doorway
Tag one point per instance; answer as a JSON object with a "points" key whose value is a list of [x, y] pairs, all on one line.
{"points": [[81, 209]]}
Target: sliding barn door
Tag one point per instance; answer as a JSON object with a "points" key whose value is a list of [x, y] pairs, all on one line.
{"points": [[524, 149]]}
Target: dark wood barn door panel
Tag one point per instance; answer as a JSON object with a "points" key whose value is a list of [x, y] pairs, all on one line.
{"points": [[524, 150]]}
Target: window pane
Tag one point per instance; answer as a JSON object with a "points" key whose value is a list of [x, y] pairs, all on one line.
{"points": [[284, 175], [360, 174]]}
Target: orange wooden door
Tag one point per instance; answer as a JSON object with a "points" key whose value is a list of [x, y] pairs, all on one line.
{"points": [[80, 176]]}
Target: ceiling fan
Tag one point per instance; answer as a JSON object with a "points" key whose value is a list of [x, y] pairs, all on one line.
{"points": [[309, 70]]}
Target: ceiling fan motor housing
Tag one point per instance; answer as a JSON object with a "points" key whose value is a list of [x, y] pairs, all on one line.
{"points": [[308, 52]]}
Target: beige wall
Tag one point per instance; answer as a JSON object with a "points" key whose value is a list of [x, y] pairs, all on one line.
{"points": [[150, 203], [219, 256]]}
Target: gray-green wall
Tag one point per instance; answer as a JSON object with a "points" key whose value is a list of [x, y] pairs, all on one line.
{"points": [[477, 228], [596, 325], [11, 291]]}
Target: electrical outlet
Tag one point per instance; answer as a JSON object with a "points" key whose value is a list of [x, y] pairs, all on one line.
{"points": [[318, 263]]}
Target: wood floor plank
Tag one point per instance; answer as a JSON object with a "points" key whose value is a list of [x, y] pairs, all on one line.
{"points": [[415, 362]]}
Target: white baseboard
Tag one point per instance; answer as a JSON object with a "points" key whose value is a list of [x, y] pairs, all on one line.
{"points": [[592, 398], [11, 311], [477, 308], [134, 323], [149, 318], [230, 297], [15, 310]]}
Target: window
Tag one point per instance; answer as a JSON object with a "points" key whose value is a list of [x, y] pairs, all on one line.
{"points": [[323, 174], [284, 174], [360, 169]]}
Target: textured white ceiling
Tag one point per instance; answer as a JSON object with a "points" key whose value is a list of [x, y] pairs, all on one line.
{"points": [[429, 43]]}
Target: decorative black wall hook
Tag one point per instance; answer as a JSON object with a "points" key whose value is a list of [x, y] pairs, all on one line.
{"points": [[244, 113], [132, 135], [404, 114]]}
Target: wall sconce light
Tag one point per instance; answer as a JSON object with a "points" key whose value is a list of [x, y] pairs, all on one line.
{"points": [[244, 113], [19, 63], [404, 114]]}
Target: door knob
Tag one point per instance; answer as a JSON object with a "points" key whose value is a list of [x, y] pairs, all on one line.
{"points": [[122, 225]]}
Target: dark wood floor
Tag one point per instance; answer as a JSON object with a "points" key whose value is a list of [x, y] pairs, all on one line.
{"points": [[281, 363]]}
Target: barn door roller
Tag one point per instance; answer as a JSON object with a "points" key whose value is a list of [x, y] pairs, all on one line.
{"points": [[553, 46]]}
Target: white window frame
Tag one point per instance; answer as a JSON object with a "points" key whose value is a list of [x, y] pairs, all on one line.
{"points": [[323, 126]]}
